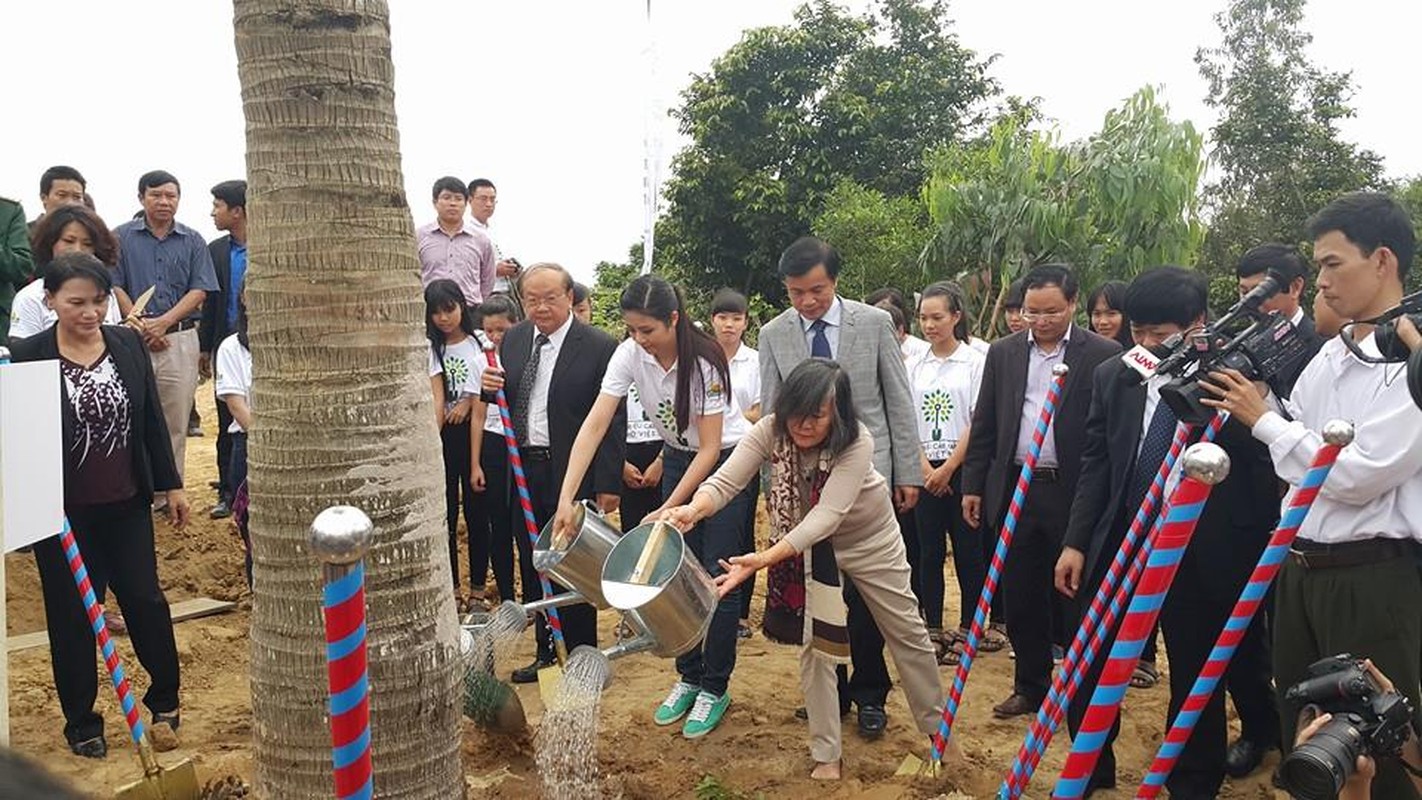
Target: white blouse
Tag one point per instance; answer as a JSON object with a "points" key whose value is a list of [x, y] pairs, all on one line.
{"points": [[944, 393]]}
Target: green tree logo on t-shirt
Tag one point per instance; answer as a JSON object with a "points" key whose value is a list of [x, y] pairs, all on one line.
{"points": [[637, 398], [666, 414], [456, 370], [937, 409]]}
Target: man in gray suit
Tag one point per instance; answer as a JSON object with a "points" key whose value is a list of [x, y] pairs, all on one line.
{"points": [[861, 338]]}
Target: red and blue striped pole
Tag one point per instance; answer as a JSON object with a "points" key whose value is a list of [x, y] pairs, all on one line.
{"points": [[999, 556], [340, 536], [1206, 464], [525, 501], [1112, 595], [1337, 434], [95, 612]]}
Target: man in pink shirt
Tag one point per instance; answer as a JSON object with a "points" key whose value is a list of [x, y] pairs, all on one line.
{"points": [[450, 248]]}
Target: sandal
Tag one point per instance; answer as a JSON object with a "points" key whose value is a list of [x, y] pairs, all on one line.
{"points": [[994, 638], [951, 651], [1144, 676]]}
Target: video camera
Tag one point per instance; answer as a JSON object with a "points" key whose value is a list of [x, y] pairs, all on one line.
{"points": [[1367, 721], [1391, 349], [1259, 345]]}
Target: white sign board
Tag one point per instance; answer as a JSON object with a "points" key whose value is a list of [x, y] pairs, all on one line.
{"points": [[31, 453]]}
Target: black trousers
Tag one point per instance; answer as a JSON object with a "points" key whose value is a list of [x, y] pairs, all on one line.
{"points": [[226, 486], [237, 471], [457, 494], [493, 516], [1035, 617], [579, 620], [116, 542], [638, 503], [940, 519]]}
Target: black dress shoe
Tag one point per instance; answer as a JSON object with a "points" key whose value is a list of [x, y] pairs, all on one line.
{"points": [[90, 748], [872, 721], [529, 674], [1244, 756], [1014, 706]]}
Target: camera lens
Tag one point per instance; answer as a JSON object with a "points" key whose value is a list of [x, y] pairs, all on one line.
{"points": [[1320, 766]]}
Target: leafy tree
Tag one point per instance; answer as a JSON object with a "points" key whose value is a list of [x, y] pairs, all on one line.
{"points": [[789, 112], [1112, 205], [879, 238], [1277, 140]]}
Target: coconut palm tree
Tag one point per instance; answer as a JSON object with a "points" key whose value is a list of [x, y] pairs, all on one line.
{"points": [[341, 400]]}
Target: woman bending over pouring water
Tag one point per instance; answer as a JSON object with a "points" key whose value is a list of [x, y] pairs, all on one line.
{"points": [[829, 504]]}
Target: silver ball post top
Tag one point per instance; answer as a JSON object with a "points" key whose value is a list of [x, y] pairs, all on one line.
{"points": [[1338, 431], [1206, 462], [4, 353], [1060, 369], [341, 535]]}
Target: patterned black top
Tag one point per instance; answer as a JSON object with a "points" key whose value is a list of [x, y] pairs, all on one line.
{"points": [[103, 462]]}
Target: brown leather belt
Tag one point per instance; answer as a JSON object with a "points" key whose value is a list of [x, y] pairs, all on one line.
{"points": [[1041, 475], [1315, 555]]}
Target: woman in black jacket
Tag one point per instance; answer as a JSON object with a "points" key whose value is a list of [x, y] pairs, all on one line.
{"points": [[116, 455]]}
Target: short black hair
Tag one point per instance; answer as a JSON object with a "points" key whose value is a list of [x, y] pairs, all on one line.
{"points": [[498, 305], [1013, 299], [449, 184], [1369, 220], [60, 173], [75, 264], [729, 301], [1163, 295], [157, 177], [805, 254], [581, 292], [1044, 275], [480, 183], [804, 392], [890, 295], [1280, 257], [233, 193]]}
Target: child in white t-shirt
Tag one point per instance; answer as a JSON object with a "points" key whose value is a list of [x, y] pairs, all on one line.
{"points": [[233, 386], [489, 463]]}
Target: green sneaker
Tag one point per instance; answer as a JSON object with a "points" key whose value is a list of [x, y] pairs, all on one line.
{"points": [[679, 701], [706, 714]]}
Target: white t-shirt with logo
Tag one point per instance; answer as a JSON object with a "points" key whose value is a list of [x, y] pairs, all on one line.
{"points": [[29, 315], [461, 369], [639, 422], [745, 378], [944, 393], [913, 348], [233, 373], [631, 365]]}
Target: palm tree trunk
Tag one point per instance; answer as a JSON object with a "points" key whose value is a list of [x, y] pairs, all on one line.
{"points": [[341, 400]]}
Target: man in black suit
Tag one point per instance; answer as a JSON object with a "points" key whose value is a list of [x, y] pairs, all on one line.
{"points": [[1128, 433], [219, 314], [548, 408], [1014, 388], [1284, 260]]}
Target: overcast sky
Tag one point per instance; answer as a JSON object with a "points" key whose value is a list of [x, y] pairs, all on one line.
{"points": [[547, 97]]}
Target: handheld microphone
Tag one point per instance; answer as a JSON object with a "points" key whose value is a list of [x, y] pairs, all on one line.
{"points": [[1144, 362]]}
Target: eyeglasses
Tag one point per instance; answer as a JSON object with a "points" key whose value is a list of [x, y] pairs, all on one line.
{"points": [[547, 300], [1044, 316]]}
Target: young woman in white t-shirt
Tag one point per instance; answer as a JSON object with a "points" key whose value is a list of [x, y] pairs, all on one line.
{"points": [[233, 386], [945, 381], [684, 383], [489, 462], [730, 315], [454, 379]]}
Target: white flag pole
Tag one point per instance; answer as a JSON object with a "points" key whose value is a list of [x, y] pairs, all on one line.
{"points": [[651, 147]]}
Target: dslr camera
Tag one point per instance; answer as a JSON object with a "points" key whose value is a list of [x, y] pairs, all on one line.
{"points": [[1259, 345], [1391, 349], [1367, 721]]}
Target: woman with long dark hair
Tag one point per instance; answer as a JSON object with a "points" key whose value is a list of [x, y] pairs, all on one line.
{"points": [[116, 457], [683, 381], [67, 229], [1106, 313], [833, 507]]}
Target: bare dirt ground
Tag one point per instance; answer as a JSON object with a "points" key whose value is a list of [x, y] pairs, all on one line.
{"points": [[759, 750]]}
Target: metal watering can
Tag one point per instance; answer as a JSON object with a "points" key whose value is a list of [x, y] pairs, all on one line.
{"points": [[652, 576], [577, 563]]}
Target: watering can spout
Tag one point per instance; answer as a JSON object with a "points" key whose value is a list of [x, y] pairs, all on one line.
{"points": [[640, 644], [556, 601]]}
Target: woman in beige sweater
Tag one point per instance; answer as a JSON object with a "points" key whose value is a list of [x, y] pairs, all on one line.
{"points": [[830, 507]]}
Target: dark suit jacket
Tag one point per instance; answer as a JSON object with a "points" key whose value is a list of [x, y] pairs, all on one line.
{"points": [[577, 377], [1283, 383], [153, 466], [992, 448], [213, 328], [1235, 522]]}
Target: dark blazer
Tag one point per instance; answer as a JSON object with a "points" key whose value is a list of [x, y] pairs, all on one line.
{"points": [[992, 448], [1238, 516], [1283, 383], [577, 377], [153, 466], [213, 328]]}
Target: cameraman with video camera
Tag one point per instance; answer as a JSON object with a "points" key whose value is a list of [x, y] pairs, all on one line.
{"points": [[1352, 583]]}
